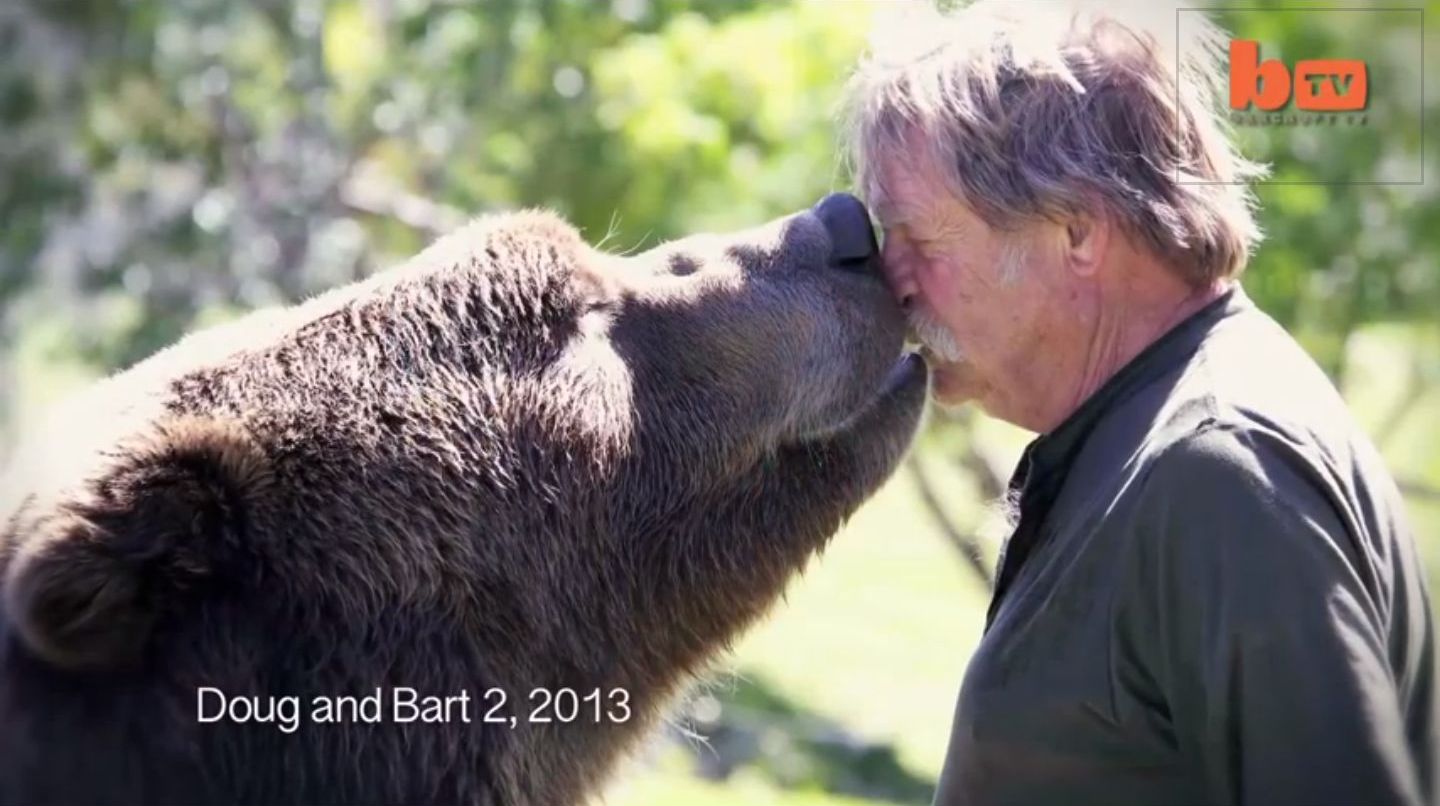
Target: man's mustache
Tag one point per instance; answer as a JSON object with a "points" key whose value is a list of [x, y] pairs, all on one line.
{"points": [[933, 337]]}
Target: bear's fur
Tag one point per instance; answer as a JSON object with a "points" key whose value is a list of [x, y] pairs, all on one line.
{"points": [[513, 463]]}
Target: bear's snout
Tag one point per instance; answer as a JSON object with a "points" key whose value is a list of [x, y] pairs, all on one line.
{"points": [[852, 238]]}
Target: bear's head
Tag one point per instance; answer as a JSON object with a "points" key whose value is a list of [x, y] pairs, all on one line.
{"points": [[516, 461]]}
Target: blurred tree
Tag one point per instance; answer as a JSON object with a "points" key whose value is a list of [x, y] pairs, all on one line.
{"points": [[186, 155], [168, 158], [1343, 252]]}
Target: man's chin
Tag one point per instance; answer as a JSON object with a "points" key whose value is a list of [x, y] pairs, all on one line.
{"points": [[952, 383]]}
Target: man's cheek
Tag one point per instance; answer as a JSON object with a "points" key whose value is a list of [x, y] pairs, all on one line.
{"points": [[941, 288]]}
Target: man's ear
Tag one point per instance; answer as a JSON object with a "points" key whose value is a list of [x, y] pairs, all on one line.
{"points": [[1087, 237]]}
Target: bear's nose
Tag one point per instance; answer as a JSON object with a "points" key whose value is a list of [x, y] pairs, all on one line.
{"points": [[852, 238]]}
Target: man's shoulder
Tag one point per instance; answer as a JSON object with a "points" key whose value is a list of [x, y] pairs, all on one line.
{"points": [[1251, 423], [1246, 510], [1251, 391], [1233, 463]]}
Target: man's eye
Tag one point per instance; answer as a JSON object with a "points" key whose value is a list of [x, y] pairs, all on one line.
{"points": [[911, 236], [902, 237]]}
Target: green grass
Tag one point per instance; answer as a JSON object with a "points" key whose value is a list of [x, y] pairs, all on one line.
{"points": [[875, 636], [680, 789], [1381, 359]]}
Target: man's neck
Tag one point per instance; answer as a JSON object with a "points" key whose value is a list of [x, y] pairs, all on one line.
{"points": [[1129, 317]]}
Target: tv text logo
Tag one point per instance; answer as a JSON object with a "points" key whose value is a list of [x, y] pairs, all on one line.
{"points": [[1320, 85]]}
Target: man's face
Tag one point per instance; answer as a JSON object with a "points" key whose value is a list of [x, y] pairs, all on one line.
{"points": [[977, 298]]}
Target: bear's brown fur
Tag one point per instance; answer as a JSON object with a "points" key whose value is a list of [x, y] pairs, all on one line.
{"points": [[513, 463]]}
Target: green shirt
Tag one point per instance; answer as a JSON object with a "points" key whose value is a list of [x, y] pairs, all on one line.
{"points": [[1211, 596]]}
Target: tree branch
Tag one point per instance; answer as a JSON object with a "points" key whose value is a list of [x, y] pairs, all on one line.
{"points": [[1410, 398], [1419, 491], [367, 192], [968, 545]]}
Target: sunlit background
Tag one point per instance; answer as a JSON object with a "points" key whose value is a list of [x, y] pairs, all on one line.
{"points": [[166, 164]]}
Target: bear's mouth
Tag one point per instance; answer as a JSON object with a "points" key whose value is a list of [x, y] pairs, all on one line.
{"points": [[909, 369], [906, 367]]}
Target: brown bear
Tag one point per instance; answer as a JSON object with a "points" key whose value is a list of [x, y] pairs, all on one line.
{"points": [[453, 534]]}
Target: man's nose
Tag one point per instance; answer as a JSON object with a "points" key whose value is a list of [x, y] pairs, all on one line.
{"points": [[852, 239], [896, 265]]}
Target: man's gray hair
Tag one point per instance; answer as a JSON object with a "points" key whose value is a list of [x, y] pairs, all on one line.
{"points": [[1045, 110]]}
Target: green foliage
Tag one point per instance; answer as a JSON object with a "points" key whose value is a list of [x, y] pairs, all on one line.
{"points": [[205, 152], [1345, 253]]}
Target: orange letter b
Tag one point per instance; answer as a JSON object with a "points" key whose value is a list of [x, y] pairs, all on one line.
{"points": [[1266, 84]]}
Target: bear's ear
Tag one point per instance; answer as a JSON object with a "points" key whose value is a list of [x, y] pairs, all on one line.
{"points": [[87, 584], [77, 608]]}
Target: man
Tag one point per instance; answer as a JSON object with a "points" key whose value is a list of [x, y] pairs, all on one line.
{"points": [[1211, 594]]}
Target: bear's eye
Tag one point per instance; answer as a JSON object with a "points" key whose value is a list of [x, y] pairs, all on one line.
{"points": [[681, 265]]}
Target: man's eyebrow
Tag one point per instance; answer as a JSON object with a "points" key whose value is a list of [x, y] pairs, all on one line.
{"points": [[896, 216], [886, 212]]}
